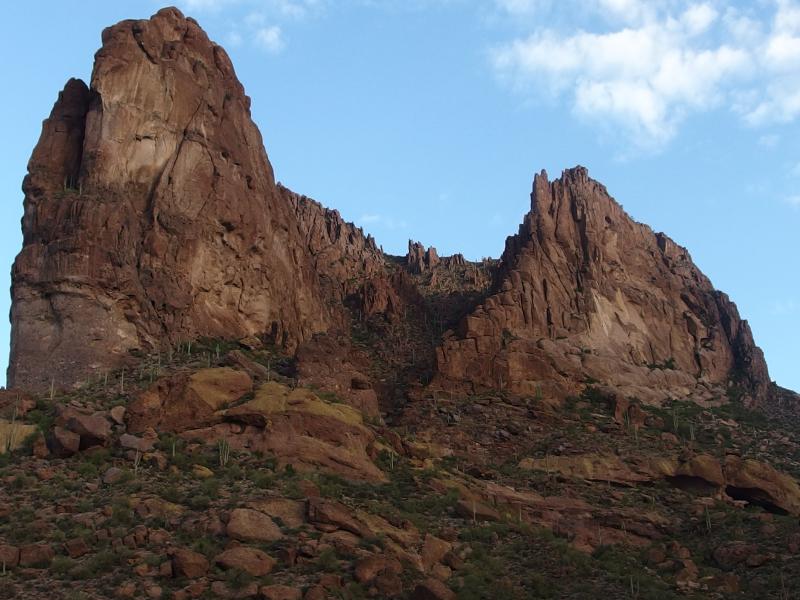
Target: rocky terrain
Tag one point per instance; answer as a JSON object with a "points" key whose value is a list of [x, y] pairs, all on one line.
{"points": [[219, 388]]}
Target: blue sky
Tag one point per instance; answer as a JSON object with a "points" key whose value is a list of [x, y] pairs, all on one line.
{"points": [[427, 119]]}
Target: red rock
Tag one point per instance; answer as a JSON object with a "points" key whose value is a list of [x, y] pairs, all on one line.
{"points": [[186, 563], [280, 592], [476, 511], [65, 442], [329, 512], [9, 556], [316, 592], [732, 554], [433, 551], [76, 547], [584, 291], [370, 567], [246, 524], [36, 555], [164, 130], [432, 589], [187, 400], [40, 449], [95, 430], [760, 484], [250, 560]]}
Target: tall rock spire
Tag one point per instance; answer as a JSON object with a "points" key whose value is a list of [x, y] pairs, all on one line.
{"points": [[152, 214]]}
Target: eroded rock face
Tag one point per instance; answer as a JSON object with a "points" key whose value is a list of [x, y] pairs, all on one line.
{"points": [[152, 215], [584, 291]]}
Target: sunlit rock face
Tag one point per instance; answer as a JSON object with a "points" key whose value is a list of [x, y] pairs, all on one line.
{"points": [[152, 214], [586, 294]]}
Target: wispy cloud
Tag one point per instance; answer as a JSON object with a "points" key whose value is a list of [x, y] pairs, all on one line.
{"points": [[383, 221], [644, 66], [270, 38], [793, 201]]}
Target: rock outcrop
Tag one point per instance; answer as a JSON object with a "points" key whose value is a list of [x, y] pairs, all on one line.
{"points": [[584, 292], [152, 214]]}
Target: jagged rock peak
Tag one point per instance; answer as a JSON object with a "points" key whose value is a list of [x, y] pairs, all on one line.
{"points": [[584, 291], [418, 259]]}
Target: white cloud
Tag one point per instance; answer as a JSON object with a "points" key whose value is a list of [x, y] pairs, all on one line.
{"points": [[654, 63], [793, 201], [386, 222], [270, 38]]}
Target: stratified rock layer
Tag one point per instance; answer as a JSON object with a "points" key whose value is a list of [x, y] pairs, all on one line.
{"points": [[585, 293], [152, 215]]}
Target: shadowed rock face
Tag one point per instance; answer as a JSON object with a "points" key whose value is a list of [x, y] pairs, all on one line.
{"points": [[152, 215], [586, 292]]}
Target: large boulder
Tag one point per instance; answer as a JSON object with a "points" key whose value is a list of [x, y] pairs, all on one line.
{"points": [[760, 484], [250, 560], [248, 525], [187, 400]]}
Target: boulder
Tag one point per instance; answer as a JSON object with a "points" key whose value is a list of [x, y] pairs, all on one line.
{"points": [[433, 551], [36, 555], [367, 569], [187, 400], [280, 592], [290, 512], [432, 589], [65, 442], [187, 563], [9, 556], [330, 512], [248, 525], [760, 484], [250, 560]]}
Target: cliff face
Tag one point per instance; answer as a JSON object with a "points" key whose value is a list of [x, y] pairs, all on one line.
{"points": [[152, 215], [584, 293]]}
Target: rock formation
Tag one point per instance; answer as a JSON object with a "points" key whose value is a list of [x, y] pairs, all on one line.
{"points": [[585, 293], [152, 215]]}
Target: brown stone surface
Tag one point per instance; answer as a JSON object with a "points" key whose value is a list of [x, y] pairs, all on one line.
{"points": [[432, 589], [186, 401], [250, 560], [151, 211], [9, 556], [36, 555], [186, 563], [584, 291], [367, 569], [246, 524], [280, 592], [760, 484]]}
